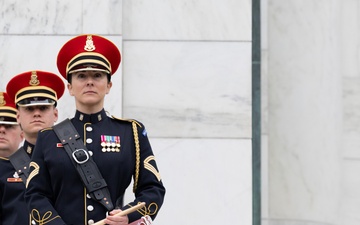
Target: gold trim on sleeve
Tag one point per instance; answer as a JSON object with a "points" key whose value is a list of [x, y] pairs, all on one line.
{"points": [[150, 167], [33, 173]]}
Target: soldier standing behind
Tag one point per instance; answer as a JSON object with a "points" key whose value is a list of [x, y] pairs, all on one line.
{"points": [[61, 189], [10, 183], [35, 94]]}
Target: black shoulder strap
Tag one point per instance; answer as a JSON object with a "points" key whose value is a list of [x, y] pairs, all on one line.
{"points": [[20, 161], [83, 162]]}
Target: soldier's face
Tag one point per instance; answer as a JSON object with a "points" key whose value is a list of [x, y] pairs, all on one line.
{"points": [[34, 118], [89, 88], [10, 139]]}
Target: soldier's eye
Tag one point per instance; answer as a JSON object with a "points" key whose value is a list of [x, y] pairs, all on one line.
{"points": [[44, 107], [29, 108], [81, 76], [98, 75], [8, 126]]}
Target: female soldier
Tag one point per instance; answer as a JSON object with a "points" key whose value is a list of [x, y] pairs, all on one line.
{"points": [[80, 170]]}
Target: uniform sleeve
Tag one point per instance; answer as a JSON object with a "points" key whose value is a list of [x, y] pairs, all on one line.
{"points": [[38, 193], [149, 187]]}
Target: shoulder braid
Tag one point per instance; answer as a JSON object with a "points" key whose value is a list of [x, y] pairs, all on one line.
{"points": [[134, 124], [137, 155]]}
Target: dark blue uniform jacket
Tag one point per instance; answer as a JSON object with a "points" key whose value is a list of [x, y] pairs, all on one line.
{"points": [[13, 209], [55, 192]]}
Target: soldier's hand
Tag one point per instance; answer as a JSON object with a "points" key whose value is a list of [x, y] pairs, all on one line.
{"points": [[111, 219]]}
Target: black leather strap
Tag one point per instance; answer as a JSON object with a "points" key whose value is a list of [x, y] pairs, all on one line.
{"points": [[83, 162], [20, 161]]}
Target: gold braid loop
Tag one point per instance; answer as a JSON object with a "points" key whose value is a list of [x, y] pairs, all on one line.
{"points": [[150, 210], [35, 214]]}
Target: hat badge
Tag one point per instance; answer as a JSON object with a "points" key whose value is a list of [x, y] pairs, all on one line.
{"points": [[89, 46], [2, 100], [34, 79]]}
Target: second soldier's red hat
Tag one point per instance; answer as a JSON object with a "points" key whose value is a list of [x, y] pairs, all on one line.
{"points": [[7, 109], [35, 88], [88, 52]]}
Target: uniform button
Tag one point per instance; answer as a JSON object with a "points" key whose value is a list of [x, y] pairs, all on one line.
{"points": [[89, 140], [90, 208], [88, 196], [91, 222], [91, 153], [89, 129]]}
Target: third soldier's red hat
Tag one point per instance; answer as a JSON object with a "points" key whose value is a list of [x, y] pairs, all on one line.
{"points": [[7, 109], [35, 88], [88, 52]]}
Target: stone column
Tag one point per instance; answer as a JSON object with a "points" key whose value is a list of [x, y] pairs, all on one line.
{"points": [[304, 112]]}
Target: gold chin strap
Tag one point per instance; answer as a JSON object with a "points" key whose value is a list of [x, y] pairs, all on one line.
{"points": [[137, 159]]}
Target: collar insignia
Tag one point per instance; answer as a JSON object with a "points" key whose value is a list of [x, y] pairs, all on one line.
{"points": [[29, 149]]}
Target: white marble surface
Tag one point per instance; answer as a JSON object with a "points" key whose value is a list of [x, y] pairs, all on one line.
{"points": [[40, 17], [189, 89], [305, 111], [60, 17], [187, 20], [348, 138], [350, 195], [351, 112], [102, 16], [349, 38], [350, 33], [208, 181]]}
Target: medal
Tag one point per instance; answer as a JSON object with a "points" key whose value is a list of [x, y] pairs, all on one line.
{"points": [[110, 143]]}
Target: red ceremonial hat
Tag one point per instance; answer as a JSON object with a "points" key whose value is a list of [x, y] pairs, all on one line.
{"points": [[35, 88], [88, 52], [7, 109]]}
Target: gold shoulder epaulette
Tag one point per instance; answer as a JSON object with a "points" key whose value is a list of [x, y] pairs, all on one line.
{"points": [[45, 129], [127, 120]]}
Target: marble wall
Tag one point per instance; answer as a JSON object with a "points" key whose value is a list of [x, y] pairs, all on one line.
{"points": [[311, 112], [350, 154], [186, 74]]}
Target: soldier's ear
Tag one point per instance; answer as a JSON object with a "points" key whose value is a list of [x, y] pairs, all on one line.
{"points": [[18, 119], [69, 87], [56, 114], [18, 116], [109, 85]]}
